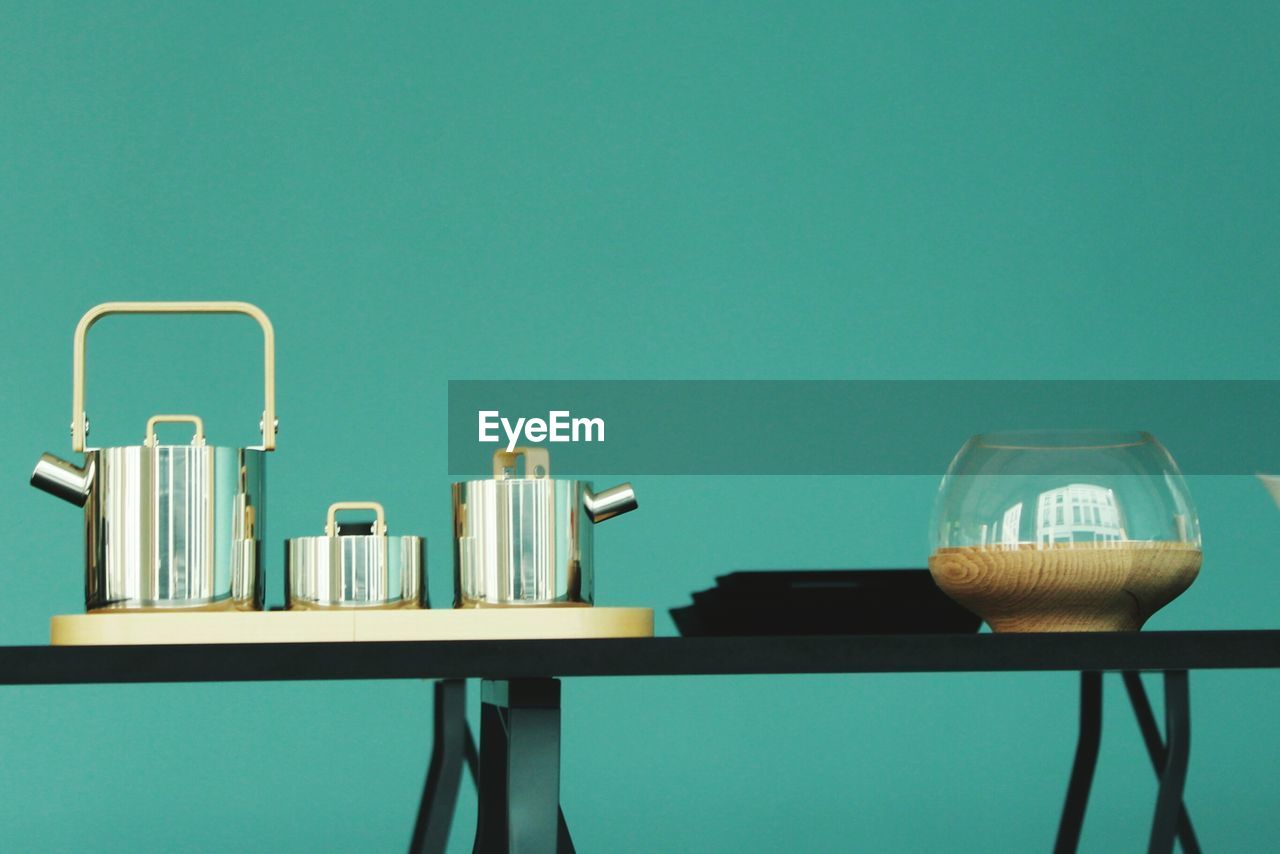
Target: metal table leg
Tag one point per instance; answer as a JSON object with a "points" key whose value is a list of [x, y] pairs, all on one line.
{"points": [[1173, 777], [1085, 762], [452, 746], [1155, 749], [520, 769]]}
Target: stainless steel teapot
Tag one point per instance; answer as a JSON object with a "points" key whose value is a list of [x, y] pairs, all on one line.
{"points": [[527, 540], [167, 526]]}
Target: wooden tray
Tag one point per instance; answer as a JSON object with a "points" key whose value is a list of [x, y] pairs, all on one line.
{"points": [[119, 629]]}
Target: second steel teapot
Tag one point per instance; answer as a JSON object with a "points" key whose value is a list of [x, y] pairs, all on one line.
{"points": [[527, 540]]}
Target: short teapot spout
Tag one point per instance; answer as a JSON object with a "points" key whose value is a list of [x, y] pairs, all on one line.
{"points": [[611, 502], [66, 480]]}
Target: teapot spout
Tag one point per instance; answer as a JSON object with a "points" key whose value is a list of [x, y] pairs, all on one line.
{"points": [[612, 502], [63, 479]]}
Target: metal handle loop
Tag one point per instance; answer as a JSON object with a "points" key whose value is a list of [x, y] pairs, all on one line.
{"points": [[79, 420], [331, 523]]}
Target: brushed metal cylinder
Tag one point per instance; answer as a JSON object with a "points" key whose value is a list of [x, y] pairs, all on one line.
{"points": [[174, 526], [355, 571]]}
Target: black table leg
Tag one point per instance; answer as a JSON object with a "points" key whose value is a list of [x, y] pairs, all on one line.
{"points": [[473, 758], [520, 769], [1155, 749], [452, 746], [1086, 760], [1173, 777]]}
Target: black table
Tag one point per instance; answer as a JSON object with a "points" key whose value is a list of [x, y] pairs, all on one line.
{"points": [[518, 764]]}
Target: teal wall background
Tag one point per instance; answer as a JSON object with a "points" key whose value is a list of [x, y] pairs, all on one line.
{"points": [[420, 192]]}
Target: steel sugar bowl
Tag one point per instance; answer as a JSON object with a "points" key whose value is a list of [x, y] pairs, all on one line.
{"points": [[527, 540], [167, 526], [355, 566]]}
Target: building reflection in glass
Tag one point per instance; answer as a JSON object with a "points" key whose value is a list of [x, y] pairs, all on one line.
{"points": [[1078, 512], [1010, 525]]}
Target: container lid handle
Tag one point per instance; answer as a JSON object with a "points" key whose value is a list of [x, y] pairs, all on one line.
{"points": [[537, 463], [197, 439], [331, 523]]}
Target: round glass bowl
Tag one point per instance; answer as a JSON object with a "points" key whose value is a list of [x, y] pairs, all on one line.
{"points": [[1064, 530]]}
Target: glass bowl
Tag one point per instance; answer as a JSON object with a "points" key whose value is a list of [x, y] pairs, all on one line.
{"points": [[1064, 530], [1272, 483]]}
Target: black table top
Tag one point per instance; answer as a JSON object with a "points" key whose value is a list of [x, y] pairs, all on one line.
{"points": [[667, 656]]}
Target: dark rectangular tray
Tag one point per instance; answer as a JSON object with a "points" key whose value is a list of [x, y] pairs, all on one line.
{"points": [[823, 602]]}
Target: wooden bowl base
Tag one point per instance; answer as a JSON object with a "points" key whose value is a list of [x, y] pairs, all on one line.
{"points": [[1066, 587]]}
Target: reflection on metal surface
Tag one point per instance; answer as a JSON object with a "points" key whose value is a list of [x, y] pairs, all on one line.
{"points": [[612, 502], [174, 526], [63, 479]]}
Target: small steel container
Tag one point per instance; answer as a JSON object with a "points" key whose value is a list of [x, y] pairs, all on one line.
{"points": [[167, 526], [527, 540], [355, 566]]}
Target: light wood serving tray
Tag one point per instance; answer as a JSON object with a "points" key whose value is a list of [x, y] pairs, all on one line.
{"points": [[439, 624]]}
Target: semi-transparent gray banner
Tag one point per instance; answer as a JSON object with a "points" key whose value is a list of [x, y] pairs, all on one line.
{"points": [[871, 427]]}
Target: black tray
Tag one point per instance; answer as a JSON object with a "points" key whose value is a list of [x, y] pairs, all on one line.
{"points": [[823, 602]]}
